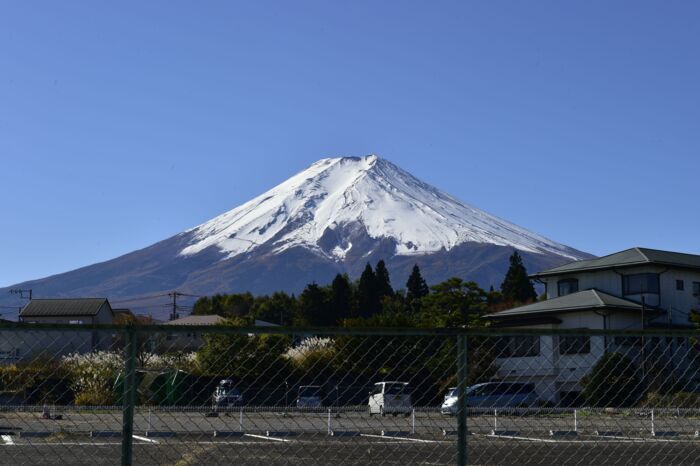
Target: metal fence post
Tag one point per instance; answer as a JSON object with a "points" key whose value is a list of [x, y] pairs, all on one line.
{"points": [[129, 396], [462, 373]]}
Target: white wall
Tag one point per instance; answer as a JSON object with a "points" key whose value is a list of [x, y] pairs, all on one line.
{"points": [[678, 302]]}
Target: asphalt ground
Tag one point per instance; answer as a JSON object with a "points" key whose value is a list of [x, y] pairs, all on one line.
{"points": [[312, 449], [422, 423], [274, 437]]}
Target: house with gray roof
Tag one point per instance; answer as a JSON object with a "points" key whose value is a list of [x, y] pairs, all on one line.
{"points": [[70, 310], [26, 344], [184, 339], [638, 288]]}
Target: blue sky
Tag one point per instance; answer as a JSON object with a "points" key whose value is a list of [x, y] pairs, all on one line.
{"points": [[122, 123]]}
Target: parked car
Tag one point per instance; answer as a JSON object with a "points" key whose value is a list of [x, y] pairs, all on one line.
{"points": [[390, 398], [310, 396], [226, 395], [493, 395]]}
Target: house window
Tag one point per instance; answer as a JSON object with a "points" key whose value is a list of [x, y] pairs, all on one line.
{"points": [[567, 286], [75, 321], [696, 288], [574, 344], [519, 347], [680, 285], [640, 283]]}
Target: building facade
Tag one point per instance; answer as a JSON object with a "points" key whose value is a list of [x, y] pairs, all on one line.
{"points": [[634, 289], [19, 345]]}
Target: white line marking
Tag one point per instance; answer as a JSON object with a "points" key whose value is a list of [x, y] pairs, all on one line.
{"points": [[390, 437], [267, 438], [145, 439], [617, 439], [8, 440]]}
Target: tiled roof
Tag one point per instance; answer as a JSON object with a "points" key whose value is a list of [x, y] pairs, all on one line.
{"points": [[63, 307], [626, 258], [581, 300]]}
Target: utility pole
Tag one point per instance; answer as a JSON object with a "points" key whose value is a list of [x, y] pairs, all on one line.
{"points": [[643, 341], [21, 293], [173, 314]]}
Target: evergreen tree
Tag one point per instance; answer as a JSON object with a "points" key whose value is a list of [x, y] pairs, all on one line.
{"points": [[516, 286], [313, 307], [367, 295], [341, 298], [453, 303], [278, 308], [383, 282], [416, 287]]}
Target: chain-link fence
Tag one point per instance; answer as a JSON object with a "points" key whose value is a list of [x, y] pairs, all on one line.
{"points": [[82, 394]]}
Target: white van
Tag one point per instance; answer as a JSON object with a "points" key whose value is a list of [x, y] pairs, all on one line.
{"points": [[390, 398]]}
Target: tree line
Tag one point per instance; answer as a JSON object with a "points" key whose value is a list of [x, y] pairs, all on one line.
{"points": [[372, 300]]}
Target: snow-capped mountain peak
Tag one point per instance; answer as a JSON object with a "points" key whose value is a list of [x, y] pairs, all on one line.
{"points": [[334, 202]]}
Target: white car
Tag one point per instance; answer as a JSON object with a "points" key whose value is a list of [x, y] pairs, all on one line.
{"points": [[449, 404], [493, 395], [390, 398]]}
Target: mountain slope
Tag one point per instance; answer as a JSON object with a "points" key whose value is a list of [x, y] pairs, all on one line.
{"points": [[320, 207], [332, 217]]}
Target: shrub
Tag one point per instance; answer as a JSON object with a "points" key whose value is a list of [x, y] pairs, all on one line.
{"points": [[34, 380], [682, 400], [312, 358], [613, 382], [92, 376]]}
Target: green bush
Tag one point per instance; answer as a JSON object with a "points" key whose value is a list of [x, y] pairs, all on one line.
{"points": [[682, 400], [613, 382]]}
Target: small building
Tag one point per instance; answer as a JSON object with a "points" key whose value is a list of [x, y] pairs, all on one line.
{"points": [[638, 288], [187, 341], [19, 345]]}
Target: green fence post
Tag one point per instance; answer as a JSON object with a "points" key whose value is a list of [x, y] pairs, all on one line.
{"points": [[462, 372], [129, 396]]}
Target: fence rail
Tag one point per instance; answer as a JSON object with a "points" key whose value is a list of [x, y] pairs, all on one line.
{"points": [[111, 394]]}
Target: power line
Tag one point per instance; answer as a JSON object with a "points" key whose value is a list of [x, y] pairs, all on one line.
{"points": [[139, 298]]}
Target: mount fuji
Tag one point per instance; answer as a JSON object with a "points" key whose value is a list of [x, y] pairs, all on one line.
{"points": [[335, 216]]}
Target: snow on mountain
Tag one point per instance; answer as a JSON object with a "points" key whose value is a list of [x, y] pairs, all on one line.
{"points": [[345, 195]]}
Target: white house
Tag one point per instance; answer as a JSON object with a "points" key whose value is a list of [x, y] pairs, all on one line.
{"points": [[637, 288]]}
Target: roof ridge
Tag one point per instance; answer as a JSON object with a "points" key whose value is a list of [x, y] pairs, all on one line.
{"points": [[65, 299], [597, 296], [639, 250]]}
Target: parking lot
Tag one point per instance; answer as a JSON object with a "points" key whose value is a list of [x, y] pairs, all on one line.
{"points": [[348, 435]]}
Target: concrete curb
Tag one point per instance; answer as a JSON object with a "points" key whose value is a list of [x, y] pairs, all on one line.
{"points": [[446, 432], [563, 433], [283, 433], [345, 433], [665, 433], [228, 433], [608, 433], [105, 433], [395, 433], [38, 434], [160, 433], [507, 433]]}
